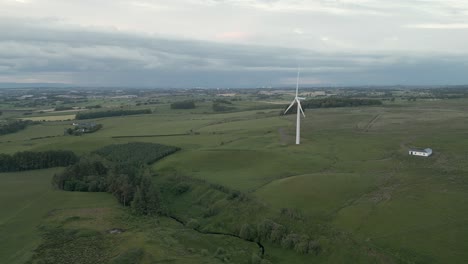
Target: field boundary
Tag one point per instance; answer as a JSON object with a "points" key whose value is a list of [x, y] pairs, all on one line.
{"points": [[162, 135]]}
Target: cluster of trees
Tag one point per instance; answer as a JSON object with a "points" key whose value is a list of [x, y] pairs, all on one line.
{"points": [[14, 126], [82, 129], [268, 230], [110, 113], [63, 108], [222, 101], [28, 160], [332, 102], [93, 106], [188, 104], [339, 102], [136, 152], [121, 170], [220, 107], [129, 183]]}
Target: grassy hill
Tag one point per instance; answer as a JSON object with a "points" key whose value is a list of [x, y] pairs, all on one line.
{"points": [[357, 191]]}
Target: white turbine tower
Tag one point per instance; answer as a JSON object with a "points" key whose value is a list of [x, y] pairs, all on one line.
{"points": [[297, 100]]}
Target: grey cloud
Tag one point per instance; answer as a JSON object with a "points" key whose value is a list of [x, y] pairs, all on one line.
{"points": [[48, 50]]}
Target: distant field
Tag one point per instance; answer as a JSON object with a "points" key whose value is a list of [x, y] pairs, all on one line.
{"points": [[49, 118], [351, 172]]}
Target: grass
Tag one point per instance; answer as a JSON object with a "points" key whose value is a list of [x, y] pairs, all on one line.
{"points": [[26, 198], [73, 229], [351, 173], [49, 118]]}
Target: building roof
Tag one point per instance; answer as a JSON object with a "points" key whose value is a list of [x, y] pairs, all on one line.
{"points": [[426, 150]]}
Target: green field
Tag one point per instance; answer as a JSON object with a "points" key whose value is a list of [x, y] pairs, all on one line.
{"points": [[351, 176], [26, 199]]}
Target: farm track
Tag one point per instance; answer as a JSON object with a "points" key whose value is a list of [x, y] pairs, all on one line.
{"points": [[372, 122], [20, 210], [261, 247]]}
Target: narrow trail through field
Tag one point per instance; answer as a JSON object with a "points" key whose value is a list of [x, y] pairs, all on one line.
{"points": [[26, 206], [372, 122], [283, 136], [261, 247]]}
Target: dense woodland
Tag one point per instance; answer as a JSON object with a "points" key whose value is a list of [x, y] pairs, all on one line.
{"points": [[131, 185], [188, 104], [14, 126], [136, 153], [338, 102], [120, 170], [221, 105], [63, 108], [110, 113], [28, 160]]}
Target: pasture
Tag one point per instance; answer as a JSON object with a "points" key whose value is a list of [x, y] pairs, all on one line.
{"points": [[26, 199], [351, 172], [50, 118]]}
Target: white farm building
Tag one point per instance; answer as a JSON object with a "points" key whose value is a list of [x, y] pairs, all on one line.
{"points": [[421, 152]]}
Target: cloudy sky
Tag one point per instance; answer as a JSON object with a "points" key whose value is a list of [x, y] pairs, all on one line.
{"points": [[234, 43]]}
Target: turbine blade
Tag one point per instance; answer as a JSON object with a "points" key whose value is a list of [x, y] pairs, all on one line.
{"points": [[297, 82], [290, 106], [300, 107]]}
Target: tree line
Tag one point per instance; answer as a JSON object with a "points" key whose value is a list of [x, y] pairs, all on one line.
{"points": [[130, 184], [339, 102], [121, 170], [269, 231], [14, 126], [28, 160], [332, 102], [136, 152], [110, 113], [220, 107], [63, 108], [188, 104]]}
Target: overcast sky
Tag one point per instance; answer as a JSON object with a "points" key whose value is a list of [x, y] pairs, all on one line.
{"points": [[234, 43]]}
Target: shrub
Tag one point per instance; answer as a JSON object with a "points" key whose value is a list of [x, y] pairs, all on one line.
{"points": [[193, 223], [181, 188], [277, 234], [314, 246], [221, 254], [210, 211], [264, 229], [255, 259], [291, 213], [302, 246], [130, 256], [188, 104], [247, 232], [290, 241], [237, 195]]}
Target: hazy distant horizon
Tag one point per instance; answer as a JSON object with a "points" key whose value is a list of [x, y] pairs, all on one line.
{"points": [[72, 86]]}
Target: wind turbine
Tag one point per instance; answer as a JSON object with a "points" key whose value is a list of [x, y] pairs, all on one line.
{"points": [[297, 100]]}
